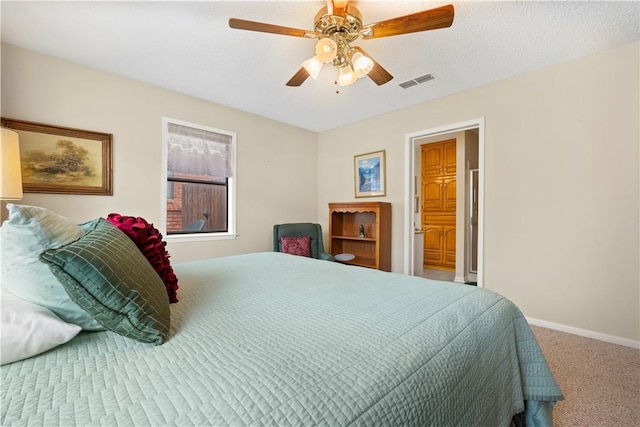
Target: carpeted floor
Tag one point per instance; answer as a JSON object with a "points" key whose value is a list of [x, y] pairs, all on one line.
{"points": [[600, 381]]}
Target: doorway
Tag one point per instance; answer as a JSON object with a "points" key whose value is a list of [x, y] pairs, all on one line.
{"points": [[470, 198]]}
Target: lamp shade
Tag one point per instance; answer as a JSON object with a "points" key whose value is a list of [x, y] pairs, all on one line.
{"points": [[361, 64], [346, 76], [313, 66], [10, 174], [326, 49]]}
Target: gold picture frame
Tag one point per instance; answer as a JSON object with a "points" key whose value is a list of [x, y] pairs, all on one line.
{"points": [[369, 174], [62, 160]]}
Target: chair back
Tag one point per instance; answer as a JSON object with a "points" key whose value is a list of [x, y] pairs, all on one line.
{"points": [[300, 229]]}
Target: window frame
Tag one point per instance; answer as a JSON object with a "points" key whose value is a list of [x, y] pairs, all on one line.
{"points": [[231, 187]]}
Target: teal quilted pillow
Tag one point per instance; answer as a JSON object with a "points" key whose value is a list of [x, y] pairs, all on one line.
{"points": [[106, 275]]}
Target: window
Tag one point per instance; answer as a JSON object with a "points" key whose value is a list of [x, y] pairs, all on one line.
{"points": [[200, 190]]}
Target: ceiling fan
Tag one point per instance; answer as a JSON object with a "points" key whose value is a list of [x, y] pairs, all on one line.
{"points": [[336, 26]]}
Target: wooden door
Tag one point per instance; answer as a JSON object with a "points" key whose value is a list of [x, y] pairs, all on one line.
{"points": [[440, 246], [449, 196], [433, 245], [449, 246], [449, 157], [439, 196], [433, 195], [439, 159], [438, 191]]}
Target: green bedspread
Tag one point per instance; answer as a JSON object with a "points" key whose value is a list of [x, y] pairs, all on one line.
{"points": [[275, 339]]}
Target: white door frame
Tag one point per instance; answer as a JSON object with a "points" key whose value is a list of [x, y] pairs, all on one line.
{"points": [[410, 190]]}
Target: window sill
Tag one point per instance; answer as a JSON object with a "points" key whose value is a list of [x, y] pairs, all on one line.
{"points": [[199, 237]]}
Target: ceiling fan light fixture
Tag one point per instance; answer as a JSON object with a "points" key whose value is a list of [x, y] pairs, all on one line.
{"points": [[338, 24], [326, 49], [347, 76], [362, 64], [313, 66]]}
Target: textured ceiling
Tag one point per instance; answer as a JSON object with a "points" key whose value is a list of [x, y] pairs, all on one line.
{"points": [[188, 47]]}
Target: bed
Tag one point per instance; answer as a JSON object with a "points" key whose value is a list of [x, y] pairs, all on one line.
{"points": [[277, 339]]}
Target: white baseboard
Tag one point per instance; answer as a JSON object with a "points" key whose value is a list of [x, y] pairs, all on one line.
{"points": [[585, 333]]}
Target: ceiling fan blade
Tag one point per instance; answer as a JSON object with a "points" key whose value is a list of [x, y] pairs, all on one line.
{"points": [[432, 19], [243, 24], [378, 74], [298, 78]]}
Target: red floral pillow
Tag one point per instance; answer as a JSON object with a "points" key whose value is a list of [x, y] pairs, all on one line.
{"points": [[296, 245], [149, 240]]}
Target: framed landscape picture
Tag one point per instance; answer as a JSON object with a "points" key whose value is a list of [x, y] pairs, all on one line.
{"points": [[63, 160], [370, 174]]}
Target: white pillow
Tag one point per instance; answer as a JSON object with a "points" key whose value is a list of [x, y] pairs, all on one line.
{"points": [[29, 231], [29, 329]]}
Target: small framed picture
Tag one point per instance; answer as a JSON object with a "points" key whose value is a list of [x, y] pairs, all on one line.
{"points": [[370, 173], [62, 160]]}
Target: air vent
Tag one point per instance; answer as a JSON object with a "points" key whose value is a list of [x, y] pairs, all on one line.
{"points": [[416, 81], [408, 84]]}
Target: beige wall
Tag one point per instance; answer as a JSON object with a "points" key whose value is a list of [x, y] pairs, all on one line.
{"points": [[561, 185], [47, 90], [562, 226]]}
